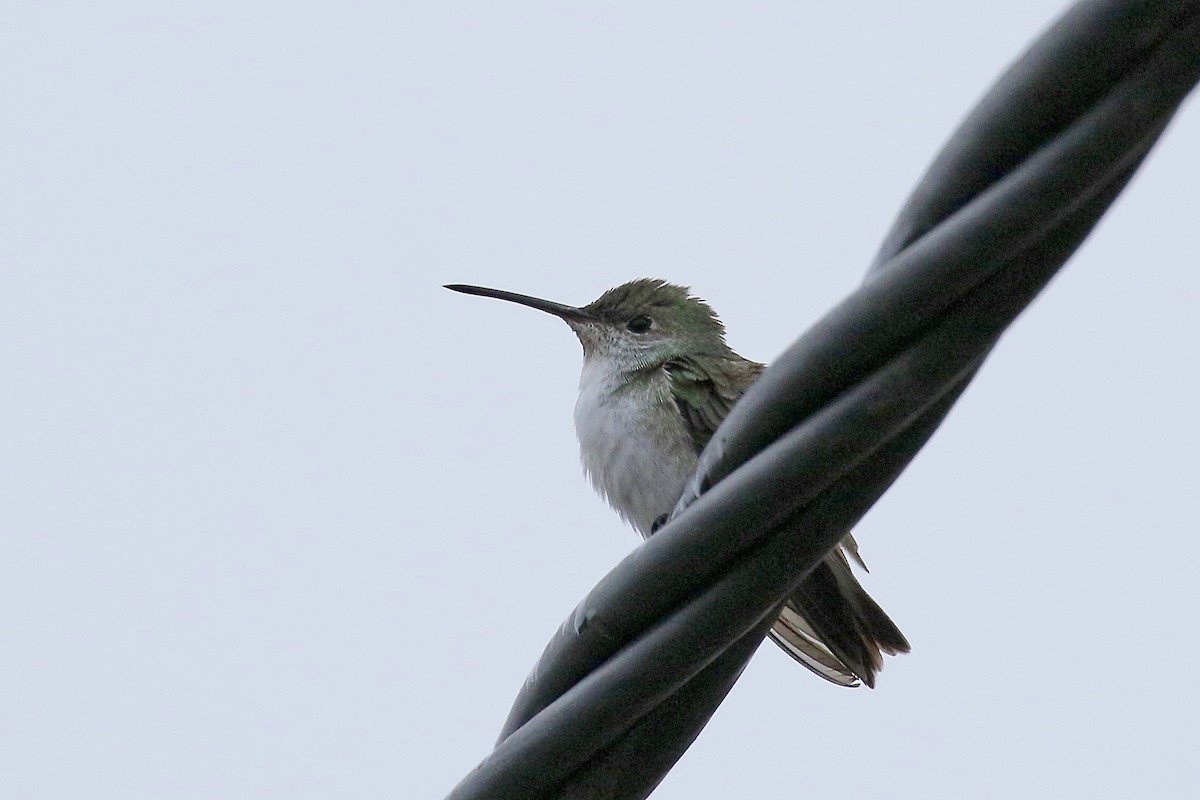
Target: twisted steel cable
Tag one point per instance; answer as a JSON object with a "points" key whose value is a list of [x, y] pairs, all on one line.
{"points": [[635, 672]]}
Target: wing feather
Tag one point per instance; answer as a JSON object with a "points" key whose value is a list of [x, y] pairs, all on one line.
{"points": [[830, 624]]}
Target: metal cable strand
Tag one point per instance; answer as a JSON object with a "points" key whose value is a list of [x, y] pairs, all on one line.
{"points": [[636, 671]]}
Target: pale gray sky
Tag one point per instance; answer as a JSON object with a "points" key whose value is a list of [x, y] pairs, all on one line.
{"points": [[280, 517]]}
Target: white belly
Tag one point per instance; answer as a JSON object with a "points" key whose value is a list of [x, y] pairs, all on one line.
{"points": [[633, 443]]}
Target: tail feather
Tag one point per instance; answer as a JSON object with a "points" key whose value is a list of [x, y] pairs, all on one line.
{"points": [[799, 641], [833, 627]]}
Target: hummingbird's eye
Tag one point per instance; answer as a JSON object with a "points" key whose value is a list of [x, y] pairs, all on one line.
{"points": [[639, 324]]}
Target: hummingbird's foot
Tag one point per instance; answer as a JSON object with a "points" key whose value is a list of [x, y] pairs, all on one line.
{"points": [[658, 523]]}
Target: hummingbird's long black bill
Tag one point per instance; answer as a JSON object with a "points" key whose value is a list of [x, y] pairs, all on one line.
{"points": [[557, 309]]}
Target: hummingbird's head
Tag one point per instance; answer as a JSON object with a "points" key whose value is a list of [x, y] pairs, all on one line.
{"points": [[647, 322], [635, 326]]}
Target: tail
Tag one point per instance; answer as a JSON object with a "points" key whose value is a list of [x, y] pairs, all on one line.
{"points": [[833, 627]]}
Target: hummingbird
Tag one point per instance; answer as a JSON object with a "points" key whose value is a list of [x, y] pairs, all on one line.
{"points": [[657, 380]]}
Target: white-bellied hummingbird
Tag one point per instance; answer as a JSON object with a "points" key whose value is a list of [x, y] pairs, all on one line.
{"points": [[657, 380]]}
